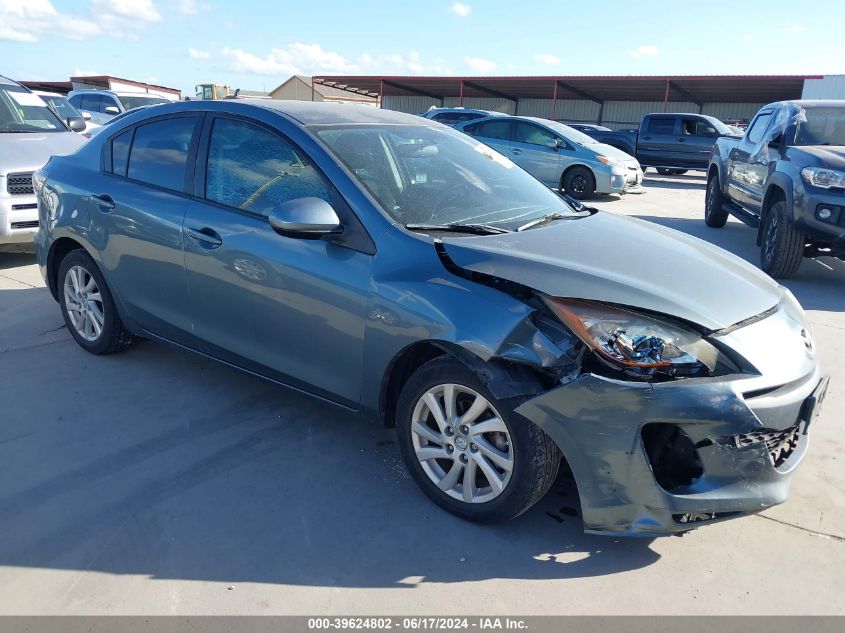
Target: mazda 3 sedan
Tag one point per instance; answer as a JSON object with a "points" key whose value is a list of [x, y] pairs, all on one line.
{"points": [[396, 267]]}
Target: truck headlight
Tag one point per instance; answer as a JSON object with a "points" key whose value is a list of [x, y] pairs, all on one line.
{"points": [[823, 178], [639, 344]]}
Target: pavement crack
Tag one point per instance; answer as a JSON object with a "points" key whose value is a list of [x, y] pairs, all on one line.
{"points": [[55, 329], [20, 282], [37, 345], [834, 537]]}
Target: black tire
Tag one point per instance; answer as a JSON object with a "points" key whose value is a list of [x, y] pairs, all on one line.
{"points": [[665, 171], [113, 337], [680, 172], [782, 246], [536, 458], [715, 215], [579, 183]]}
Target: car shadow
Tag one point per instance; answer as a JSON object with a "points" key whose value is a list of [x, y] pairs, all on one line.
{"points": [[815, 285], [162, 463]]}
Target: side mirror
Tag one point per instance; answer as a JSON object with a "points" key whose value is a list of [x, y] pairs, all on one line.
{"points": [[76, 123], [306, 218], [553, 144], [86, 115], [111, 110]]}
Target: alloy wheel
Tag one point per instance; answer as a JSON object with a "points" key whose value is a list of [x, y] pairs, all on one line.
{"points": [[462, 443], [84, 303], [770, 243]]}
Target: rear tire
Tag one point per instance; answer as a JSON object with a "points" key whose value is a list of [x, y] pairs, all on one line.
{"points": [[715, 215], [579, 183], [88, 307], [783, 247], [680, 172], [665, 171], [431, 450]]}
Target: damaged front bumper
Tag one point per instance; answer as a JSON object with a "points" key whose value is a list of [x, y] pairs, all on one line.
{"points": [[655, 459]]}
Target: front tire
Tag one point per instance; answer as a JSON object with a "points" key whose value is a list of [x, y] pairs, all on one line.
{"points": [[469, 452], [88, 307], [579, 183], [715, 215], [783, 247]]}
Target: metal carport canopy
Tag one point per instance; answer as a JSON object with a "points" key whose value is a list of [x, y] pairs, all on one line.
{"points": [[698, 89]]}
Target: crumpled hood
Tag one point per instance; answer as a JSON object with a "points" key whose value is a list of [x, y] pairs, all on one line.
{"points": [[31, 150], [626, 261], [832, 157]]}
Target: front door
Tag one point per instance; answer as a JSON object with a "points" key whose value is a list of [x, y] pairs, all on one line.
{"points": [[696, 141], [530, 150], [657, 141], [293, 306], [745, 178]]}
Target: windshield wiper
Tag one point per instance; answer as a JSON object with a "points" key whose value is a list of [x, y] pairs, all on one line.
{"points": [[456, 227], [551, 217]]}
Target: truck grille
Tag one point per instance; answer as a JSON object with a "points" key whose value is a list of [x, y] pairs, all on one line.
{"points": [[19, 184]]}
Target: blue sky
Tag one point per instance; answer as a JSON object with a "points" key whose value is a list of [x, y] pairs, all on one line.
{"points": [[253, 45]]}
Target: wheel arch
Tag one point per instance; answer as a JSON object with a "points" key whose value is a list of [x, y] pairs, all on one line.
{"points": [[58, 250], [504, 379], [778, 189]]}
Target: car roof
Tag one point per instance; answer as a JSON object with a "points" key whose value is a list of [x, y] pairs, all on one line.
{"points": [[812, 103]]}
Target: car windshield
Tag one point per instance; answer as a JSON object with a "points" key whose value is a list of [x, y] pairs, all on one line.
{"points": [[570, 133], [823, 126], [721, 128], [23, 111], [437, 176], [62, 107], [137, 102]]}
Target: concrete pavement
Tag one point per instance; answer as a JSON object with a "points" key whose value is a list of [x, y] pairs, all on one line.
{"points": [[157, 482]]}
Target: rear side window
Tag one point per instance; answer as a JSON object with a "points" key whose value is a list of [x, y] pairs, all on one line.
{"points": [[661, 125], [120, 153], [159, 152], [256, 170], [91, 103], [492, 129], [76, 101], [755, 132]]}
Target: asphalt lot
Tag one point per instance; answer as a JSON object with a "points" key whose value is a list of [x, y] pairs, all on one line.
{"points": [[156, 482]]}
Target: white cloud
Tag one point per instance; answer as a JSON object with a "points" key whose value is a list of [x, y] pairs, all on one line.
{"points": [[311, 59], [296, 59], [123, 10], [480, 66], [796, 28], [748, 37], [646, 50], [461, 9], [188, 7], [32, 20], [195, 54], [547, 59]]}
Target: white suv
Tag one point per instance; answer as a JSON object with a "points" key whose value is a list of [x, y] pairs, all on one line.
{"points": [[30, 133], [102, 105]]}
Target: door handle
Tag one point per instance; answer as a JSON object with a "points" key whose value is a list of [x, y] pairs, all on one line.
{"points": [[209, 237], [680, 140], [516, 151], [104, 202], [646, 138]]}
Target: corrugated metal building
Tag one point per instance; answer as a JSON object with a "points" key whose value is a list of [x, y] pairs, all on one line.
{"points": [[616, 102], [299, 88]]}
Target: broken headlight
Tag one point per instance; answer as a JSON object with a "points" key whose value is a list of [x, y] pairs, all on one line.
{"points": [[637, 344]]}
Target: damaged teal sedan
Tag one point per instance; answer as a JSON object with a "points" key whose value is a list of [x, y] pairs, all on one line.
{"points": [[395, 267]]}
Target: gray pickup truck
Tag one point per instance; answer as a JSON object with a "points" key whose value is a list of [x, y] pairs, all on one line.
{"points": [[672, 143], [786, 178]]}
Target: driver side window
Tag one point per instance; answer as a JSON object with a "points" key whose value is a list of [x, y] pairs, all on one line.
{"points": [[256, 170]]}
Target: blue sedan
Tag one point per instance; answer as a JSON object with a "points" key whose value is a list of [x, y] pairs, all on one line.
{"points": [[396, 267]]}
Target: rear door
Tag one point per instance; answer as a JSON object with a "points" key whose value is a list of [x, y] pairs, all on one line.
{"points": [[695, 141], [264, 301], [529, 149], [657, 141], [745, 181], [139, 203], [497, 133]]}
